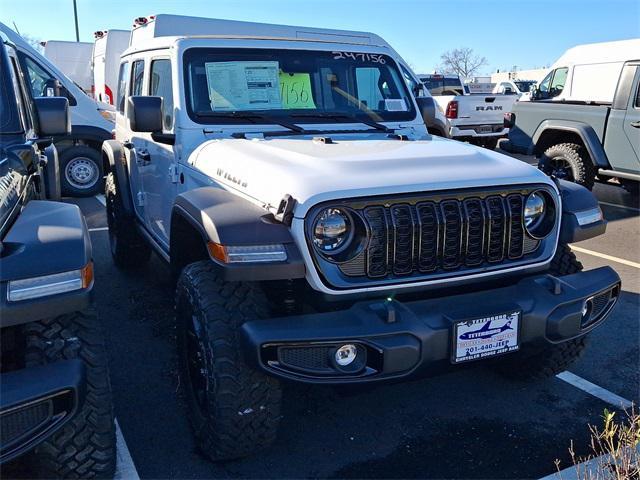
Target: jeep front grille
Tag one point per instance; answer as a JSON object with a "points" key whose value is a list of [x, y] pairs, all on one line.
{"points": [[445, 234]]}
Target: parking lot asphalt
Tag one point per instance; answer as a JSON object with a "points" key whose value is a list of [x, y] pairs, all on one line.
{"points": [[468, 424]]}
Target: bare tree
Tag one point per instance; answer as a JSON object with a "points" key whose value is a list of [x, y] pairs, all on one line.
{"points": [[461, 61]]}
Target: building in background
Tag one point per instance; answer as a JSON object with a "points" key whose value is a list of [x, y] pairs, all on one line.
{"points": [[535, 74]]}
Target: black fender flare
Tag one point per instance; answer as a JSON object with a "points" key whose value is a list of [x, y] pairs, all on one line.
{"points": [[115, 155], [586, 133], [46, 238], [224, 218], [87, 133], [577, 201]]}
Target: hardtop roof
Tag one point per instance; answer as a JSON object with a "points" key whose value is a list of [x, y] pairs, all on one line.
{"points": [[172, 27]]}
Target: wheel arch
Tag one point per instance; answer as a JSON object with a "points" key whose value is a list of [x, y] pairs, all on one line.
{"points": [[550, 133], [209, 215]]}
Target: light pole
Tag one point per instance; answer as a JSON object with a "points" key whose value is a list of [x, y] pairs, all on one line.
{"points": [[75, 16]]}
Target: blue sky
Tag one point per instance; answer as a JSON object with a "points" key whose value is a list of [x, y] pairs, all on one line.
{"points": [[524, 33]]}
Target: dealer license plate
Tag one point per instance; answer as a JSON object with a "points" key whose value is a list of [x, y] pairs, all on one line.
{"points": [[486, 337], [484, 129]]}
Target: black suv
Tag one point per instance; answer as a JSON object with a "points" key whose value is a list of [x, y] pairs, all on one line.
{"points": [[56, 396]]}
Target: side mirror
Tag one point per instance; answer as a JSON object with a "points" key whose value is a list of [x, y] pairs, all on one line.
{"points": [[427, 107], [144, 114], [534, 92], [53, 116]]}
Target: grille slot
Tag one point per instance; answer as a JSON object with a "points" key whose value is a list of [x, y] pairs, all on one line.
{"points": [[429, 226], [452, 243], [475, 220], [496, 230], [402, 239], [516, 227], [377, 252]]}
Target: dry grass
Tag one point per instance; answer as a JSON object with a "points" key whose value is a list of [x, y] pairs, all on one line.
{"points": [[614, 449]]}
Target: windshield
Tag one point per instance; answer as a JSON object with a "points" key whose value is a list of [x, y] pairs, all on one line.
{"points": [[228, 85], [524, 86], [439, 85]]}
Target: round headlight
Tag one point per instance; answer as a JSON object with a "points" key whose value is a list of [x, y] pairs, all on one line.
{"points": [[539, 214], [332, 230], [534, 209]]}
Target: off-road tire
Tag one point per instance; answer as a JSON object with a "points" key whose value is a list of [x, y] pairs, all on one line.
{"points": [[555, 358], [237, 412], [94, 159], [577, 162], [128, 249], [86, 446]]}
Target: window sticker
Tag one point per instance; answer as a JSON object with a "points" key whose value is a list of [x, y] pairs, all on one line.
{"points": [[295, 90], [395, 105], [243, 85]]}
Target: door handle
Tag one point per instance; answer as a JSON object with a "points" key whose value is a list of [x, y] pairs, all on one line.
{"points": [[635, 124]]}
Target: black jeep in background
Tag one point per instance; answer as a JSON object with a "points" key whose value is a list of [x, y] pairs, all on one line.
{"points": [[56, 402]]}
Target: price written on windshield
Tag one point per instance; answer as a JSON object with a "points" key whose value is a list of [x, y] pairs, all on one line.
{"points": [[363, 57]]}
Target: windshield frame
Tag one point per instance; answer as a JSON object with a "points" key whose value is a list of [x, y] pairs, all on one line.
{"points": [[301, 116]]}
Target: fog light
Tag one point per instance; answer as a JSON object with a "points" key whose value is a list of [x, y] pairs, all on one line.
{"points": [[346, 354]]}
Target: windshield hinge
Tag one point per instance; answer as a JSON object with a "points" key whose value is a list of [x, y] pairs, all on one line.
{"points": [[284, 213]]}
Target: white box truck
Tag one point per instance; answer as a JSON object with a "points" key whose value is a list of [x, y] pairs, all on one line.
{"points": [[81, 163], [73, 59], [108, 46]]}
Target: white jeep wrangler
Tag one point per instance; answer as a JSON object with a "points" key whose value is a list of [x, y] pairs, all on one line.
{"points": [[319, 234]]}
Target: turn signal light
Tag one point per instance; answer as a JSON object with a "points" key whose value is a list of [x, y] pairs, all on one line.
{"points": [[247, 253]]}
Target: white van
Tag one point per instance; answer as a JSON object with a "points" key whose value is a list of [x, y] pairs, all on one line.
{"points": [[588, 73], [73, 59], [79, 154], [108, 46]]}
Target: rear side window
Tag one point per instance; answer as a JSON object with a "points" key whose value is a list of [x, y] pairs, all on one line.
{"points": [[637, 104], [136, 77], [160, 86], [122, 85]]}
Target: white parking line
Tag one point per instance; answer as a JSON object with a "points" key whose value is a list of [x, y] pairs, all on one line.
{"points": [[606, 257], [595, 390], [101, 199], [99, 229], [633, 209], [125, 469]]}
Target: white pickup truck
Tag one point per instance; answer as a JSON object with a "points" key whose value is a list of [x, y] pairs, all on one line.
{"points": [[473, 118]]}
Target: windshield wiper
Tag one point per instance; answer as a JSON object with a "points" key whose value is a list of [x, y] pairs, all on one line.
{"points": [[251, 117], [338, 116]]}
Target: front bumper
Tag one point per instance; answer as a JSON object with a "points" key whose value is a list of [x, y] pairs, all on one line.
{"points": [[400, 340], [36, 402]]}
